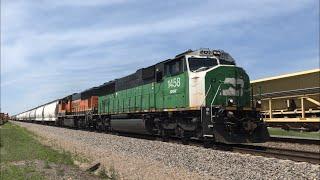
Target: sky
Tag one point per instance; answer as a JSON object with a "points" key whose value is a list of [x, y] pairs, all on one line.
{"points": [[53, 48]]}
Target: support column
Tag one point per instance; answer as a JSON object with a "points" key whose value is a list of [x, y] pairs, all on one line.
{"points": [[270, 108], [303, 114]]}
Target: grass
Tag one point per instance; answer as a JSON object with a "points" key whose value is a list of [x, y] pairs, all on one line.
{"points": [[112, 174], [20, 173], [281, 132], [19, 145]]}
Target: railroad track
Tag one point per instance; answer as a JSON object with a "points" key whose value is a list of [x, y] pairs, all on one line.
{"points": [[295, 140], [272, 152], [280, 153]]}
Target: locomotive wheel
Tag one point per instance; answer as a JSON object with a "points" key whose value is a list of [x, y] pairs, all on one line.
{"points": [[103, 126], [76, 124], [164, 136], [185, 137], [185, 140], [207, 143]]}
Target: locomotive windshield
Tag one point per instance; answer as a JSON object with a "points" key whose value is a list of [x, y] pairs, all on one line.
{"points": [[226, 62], [201, 64]]}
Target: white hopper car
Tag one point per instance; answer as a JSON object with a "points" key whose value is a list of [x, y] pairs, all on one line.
{"points": [[47, 112]]}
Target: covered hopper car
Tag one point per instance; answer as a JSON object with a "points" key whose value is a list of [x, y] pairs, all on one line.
{"points": [[291, 101], [197, 94], [46, 113]]}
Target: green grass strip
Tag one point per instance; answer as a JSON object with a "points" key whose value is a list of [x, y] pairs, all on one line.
{"points": [[302, 134], [18, 144]]}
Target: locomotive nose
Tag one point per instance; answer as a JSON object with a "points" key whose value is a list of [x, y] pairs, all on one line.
{"points": [[227, 86]]}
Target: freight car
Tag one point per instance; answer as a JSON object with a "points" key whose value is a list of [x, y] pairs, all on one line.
{"points": [[197, 94], [290, 101], [45, 114]]}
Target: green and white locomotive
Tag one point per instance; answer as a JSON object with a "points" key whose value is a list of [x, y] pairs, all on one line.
{"points": [[198, 94]]}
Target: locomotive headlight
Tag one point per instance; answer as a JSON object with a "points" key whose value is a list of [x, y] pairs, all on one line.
{"points": [[230, 114], [258, 104], [230, 102]]}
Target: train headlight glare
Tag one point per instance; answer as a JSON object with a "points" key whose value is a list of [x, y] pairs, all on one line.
{"points": [[230, 101], [230, 114], [258, 104]]}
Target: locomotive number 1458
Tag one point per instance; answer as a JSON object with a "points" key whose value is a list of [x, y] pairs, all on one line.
{"points": [[174, 83]]}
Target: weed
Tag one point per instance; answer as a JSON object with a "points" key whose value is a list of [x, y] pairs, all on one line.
{"points": [[60, 171], [113, 174], [47, 165], [103, 174]]}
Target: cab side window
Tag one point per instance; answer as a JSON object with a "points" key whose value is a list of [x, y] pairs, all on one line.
{"points": [[174, 67]]}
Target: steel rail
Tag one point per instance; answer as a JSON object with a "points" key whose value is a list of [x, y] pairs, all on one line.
{"points": [[280, 153], [307, 141]]}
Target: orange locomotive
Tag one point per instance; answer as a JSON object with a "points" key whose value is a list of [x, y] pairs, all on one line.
{"points": [[77, 105], [71, 105], [82, 105]]}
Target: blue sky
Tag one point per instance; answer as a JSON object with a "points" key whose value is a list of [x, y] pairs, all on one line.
{"points": [[52, 48]]}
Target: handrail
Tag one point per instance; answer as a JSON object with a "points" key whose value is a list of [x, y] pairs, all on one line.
{"points": [[206, 95], [213, 101], [216, 94]]}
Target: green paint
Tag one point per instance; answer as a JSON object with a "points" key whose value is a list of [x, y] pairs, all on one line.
{"points": [[176, 91], [218, 77], [172, 92]]}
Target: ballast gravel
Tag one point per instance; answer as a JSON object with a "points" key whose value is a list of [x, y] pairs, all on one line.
{"points": [[133, 158], [294, 146]]}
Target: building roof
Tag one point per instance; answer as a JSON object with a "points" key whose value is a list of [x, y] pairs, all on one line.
{"points": [[286, 75]]}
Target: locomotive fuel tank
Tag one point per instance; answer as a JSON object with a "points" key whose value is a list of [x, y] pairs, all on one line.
{"points": [[131, 125]]}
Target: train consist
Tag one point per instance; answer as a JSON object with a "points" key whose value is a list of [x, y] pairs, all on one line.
{"points": [[197, 94], [290, 101]]}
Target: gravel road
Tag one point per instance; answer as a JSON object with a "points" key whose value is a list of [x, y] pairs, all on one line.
{"points": [[145, 159]]}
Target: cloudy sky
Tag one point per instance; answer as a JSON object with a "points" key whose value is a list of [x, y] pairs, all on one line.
{"points": [[52, 48]]}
